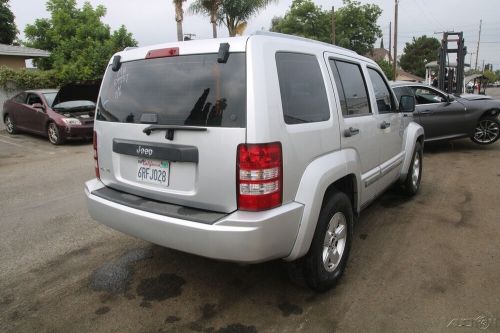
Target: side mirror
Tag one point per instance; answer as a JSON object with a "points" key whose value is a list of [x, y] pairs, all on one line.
{"points": [[38, 106], [407, 103], [449, 99]]}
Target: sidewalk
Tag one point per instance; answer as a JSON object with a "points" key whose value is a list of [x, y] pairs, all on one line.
{"points": [[493, 92]]}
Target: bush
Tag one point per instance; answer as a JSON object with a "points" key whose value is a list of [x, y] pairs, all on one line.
{"points": [[28, 79]]}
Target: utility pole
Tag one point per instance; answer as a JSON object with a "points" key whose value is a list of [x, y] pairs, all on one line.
{"points": [[470, 60], [333, 25], [395, 60], [478, 41], [390, 41]]}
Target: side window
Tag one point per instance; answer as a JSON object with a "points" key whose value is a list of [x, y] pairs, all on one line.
{"points": [[32, 99], [427, 96], [400, 91], [351, 86], [303, 93], [20, 98], [385, 102]]}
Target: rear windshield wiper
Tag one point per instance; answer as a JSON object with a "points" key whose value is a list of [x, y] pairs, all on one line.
{"points": [[171, 128]]}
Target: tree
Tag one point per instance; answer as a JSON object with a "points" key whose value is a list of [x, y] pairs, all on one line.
{"points": [[234, 14], [497, 74], [356, 24], [418, 53], [304, 19], [386, 68], [490, 75], [179, 17], [207, 7], [8, 29], [80, 44]]}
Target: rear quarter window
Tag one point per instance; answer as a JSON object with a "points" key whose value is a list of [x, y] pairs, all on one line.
{"points": [[20, 98], [303, 92]]}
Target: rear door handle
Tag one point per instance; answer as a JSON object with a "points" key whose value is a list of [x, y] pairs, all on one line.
{"points": [[425, 112], [350, 132], [385, 125]]}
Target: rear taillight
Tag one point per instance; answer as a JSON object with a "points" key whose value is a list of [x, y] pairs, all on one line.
{"points": [[259, 176], [96, 160]]}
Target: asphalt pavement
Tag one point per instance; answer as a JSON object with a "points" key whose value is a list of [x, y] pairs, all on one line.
{"points": [[429, 264]]}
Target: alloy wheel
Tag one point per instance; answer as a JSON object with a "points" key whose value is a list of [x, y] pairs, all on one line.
{"points": [[334, 242], [486, 131], [53, 133], [415, 175], [9, 125]]}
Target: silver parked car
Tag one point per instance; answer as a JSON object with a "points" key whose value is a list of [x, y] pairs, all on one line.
{"points": [[249, 149], [446, 117]]}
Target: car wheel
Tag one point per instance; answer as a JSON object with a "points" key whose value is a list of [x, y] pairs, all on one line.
{"points": [[414, 177], [54, 134], [487, 131], [326, 260], [10, 126]]}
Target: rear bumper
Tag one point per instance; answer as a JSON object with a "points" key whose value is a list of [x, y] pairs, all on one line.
{"points": [[247, 237]]}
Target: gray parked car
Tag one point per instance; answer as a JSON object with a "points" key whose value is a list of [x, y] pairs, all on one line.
{"points": [[249, 149], [446, 117]]}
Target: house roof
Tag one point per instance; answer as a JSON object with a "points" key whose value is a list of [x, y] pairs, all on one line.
{"points": [[378, 54], [24, 52], [410, 77]]}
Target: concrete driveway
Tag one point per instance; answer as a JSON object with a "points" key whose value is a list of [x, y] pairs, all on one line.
{"points": [[428, 264]]}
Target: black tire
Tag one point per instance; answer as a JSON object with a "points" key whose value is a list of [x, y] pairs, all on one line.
{"points": [[10, 125], [412, 183], [317, 276], [54, 134], [487, 131]]}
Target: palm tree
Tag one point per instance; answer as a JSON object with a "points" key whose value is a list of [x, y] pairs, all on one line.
{"points": [[179, 17], [234, 13], [210, 8]]}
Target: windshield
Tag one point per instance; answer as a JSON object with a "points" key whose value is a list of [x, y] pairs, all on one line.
{"points": [[74, 106], [184, 90], [49, 97]]}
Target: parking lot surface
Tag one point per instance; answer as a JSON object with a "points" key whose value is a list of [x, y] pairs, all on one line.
{"points": [[430, 264]]}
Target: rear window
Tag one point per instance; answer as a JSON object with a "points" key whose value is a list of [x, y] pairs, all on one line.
{"points": [[193, 90]]}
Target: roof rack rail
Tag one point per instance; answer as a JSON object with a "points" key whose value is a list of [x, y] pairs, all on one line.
{"points": [[280, 35]]}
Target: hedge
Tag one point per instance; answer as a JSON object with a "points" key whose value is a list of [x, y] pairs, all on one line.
{"points": [[28, 79]]}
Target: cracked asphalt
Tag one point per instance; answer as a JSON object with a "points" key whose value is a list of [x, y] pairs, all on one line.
{"points": [[429, 264]]}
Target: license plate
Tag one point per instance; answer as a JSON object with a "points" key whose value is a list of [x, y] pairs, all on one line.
{"points": [[153, 171]]}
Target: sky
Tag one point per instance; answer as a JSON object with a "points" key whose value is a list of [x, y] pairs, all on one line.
{"points": [[152, 21]]}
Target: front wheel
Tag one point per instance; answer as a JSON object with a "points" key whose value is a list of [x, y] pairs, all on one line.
{"points": [[326, 260], [414, 177], [54, 134], [487, 131]]}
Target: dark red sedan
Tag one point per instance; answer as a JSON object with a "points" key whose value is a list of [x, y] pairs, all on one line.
{"points": [[56, 114]]}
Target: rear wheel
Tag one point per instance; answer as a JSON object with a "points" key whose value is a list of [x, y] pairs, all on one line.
{"points": [[54, 134], [10, 126], [487, 131], [325, 262]]}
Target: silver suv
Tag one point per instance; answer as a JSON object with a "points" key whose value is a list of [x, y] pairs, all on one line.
{"points": [[249, 149]]}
